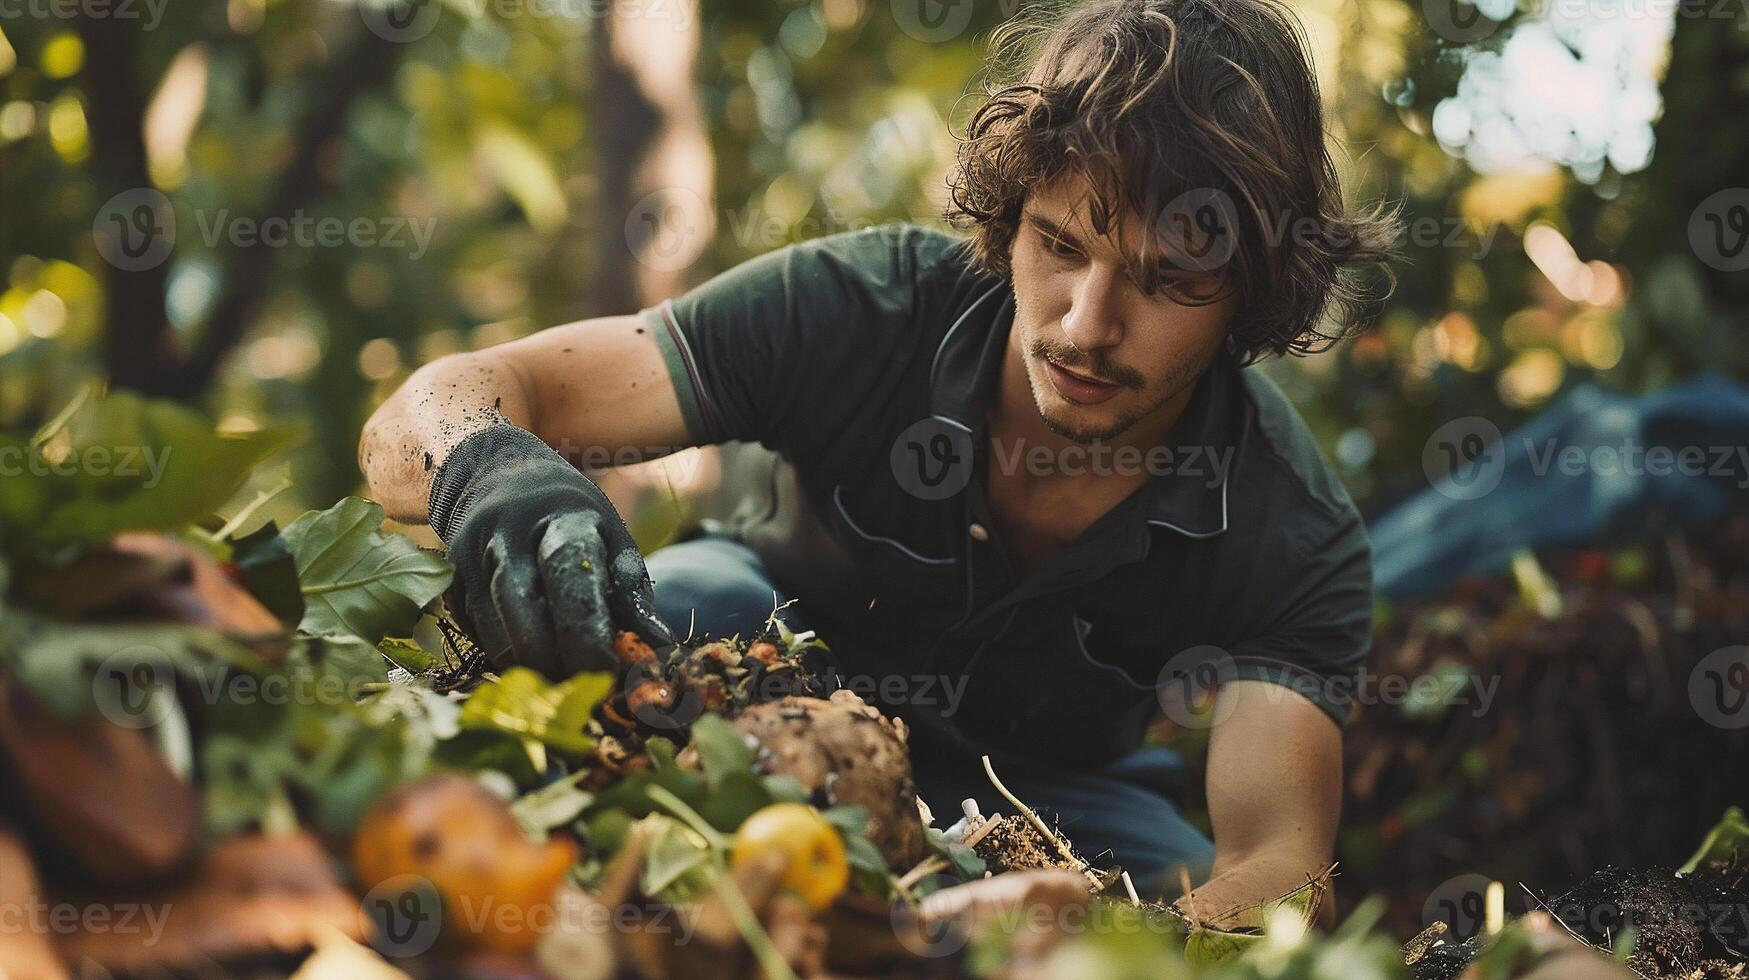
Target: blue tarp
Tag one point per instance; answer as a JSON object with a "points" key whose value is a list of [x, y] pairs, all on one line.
{"points": [[1596, 467]]}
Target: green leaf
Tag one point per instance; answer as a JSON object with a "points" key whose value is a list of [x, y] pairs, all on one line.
{"points": [[722, 749], [676, 862], [734, 798], [358, 580], [127, 464], [965, 861], [521, 703], [553, 805], [269, 572], [1727, 842], [76, 667], [409, 656]]}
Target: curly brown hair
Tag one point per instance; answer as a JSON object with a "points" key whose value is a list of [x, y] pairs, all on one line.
{"points": [[1156, 103]]}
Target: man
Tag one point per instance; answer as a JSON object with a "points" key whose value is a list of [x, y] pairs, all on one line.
{"points": [[1023, 487]]}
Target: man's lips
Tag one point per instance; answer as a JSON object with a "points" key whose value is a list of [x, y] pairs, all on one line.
{"points": [[1079, 388]]}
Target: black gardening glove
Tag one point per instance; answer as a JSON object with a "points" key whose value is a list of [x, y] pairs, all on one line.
{"points": [[546, 573]]}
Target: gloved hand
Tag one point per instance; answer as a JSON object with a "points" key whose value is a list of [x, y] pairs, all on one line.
{"points": [[546, 573]]}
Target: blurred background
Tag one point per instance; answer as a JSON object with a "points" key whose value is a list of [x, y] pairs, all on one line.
{"points": [[275, 210]]}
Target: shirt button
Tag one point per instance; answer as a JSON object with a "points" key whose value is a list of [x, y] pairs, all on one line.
{"points": [[978, 532]]}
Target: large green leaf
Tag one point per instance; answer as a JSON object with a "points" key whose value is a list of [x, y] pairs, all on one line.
{"points": [[356, 579], [521, 703], [128, 464]]}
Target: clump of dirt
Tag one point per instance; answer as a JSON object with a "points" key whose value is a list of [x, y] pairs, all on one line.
{"points": [[1015, 844], [661, 695], [1696, 925], [1688, 927]]}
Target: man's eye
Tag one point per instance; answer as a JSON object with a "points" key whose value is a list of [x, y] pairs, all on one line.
{"points": [[1058, 247], [1200, 289]]}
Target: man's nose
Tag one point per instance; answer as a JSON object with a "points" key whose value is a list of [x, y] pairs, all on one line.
{"points": [[1094, 320]]}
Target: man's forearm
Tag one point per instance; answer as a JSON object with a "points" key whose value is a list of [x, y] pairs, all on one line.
{"points": [[1244, 881], [411, 434]]}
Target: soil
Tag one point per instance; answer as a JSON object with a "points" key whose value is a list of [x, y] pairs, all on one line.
{"points": [[1016, 845], [1693, 927]]}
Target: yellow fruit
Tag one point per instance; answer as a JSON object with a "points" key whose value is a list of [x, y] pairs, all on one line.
{"points": [[817, 868]]}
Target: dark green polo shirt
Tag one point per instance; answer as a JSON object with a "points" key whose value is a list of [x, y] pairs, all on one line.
{"points": [[867, 361]]}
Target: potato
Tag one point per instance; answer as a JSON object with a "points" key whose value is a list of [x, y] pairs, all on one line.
{"points": [[844, 752]]}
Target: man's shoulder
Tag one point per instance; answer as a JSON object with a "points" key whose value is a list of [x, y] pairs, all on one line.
{"points": [[1282, 446]]}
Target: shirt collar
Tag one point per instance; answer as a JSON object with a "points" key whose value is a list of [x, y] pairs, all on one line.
{"points": [[1190, 496]]}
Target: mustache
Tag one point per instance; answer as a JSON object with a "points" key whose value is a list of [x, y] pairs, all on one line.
{"points": [[1096, 365]]}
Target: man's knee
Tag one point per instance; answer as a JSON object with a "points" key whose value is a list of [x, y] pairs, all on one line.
{"points": [[712, 587]]}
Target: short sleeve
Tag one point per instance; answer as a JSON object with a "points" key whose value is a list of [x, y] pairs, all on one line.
{"points": [[784, 344], [1319, 625]]}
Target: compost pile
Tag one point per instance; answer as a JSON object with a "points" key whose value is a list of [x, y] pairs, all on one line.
{"points": [[1593, 749]]}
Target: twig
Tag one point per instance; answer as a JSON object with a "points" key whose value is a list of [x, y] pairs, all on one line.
{"points": [[974, 836], [927, 866], [1038, 822]]}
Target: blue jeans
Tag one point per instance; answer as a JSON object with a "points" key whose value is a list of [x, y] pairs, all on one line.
{"points": [[1122, 812]]}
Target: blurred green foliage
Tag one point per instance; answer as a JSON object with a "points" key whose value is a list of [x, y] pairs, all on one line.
{"points": [[473, 156]]}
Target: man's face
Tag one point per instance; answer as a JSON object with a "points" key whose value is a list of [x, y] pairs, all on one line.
{"points": [[1100, 354]]}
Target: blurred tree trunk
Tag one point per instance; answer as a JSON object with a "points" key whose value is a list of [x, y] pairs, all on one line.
{"points": [[656, 175], [656, 168], [142, 349]]}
